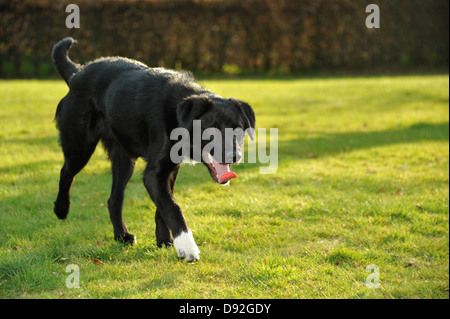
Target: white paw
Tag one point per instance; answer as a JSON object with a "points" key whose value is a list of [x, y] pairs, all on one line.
{"points": [[186, 247]]}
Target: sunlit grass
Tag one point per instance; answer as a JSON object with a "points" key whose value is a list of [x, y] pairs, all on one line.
{"points": [[362, 179]]}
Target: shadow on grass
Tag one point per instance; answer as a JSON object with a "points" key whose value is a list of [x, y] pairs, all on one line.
{"points": [[47, 141], [331, 144]]}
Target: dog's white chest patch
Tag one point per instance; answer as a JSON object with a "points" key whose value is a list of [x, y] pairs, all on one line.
{"points": [[186, 247]]}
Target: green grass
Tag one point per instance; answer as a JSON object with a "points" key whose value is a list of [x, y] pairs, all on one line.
{"points": [[362, 179]]}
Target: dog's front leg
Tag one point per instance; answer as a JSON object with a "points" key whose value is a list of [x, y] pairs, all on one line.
{"points": [[157, 180], [163, 235]]}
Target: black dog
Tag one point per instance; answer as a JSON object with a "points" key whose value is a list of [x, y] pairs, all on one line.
{"points": [[133, 109]]}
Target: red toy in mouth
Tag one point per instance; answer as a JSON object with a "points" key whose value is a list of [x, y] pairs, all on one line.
{"points": [[221, 173]]}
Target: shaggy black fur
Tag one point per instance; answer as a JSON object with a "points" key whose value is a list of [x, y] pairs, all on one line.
{"points": [[132, 109]]}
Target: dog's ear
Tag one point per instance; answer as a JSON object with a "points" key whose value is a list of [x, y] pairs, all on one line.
{"points": [[249, 115], [192, 108]]}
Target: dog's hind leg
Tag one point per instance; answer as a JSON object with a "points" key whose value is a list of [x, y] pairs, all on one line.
{"points": [[122, 170], [78, 134], [75, 159]]}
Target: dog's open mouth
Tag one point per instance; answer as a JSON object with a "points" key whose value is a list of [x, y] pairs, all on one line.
{"points": [[221, 173]]}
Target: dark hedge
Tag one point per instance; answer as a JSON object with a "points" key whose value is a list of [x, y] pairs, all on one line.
{"points": [[229, 36]]}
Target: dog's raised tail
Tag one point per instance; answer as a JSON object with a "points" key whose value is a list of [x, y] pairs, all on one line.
{"points": [[66, 67]]}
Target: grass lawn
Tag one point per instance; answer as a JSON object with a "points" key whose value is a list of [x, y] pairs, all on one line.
{"points": [[362, 180]]}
